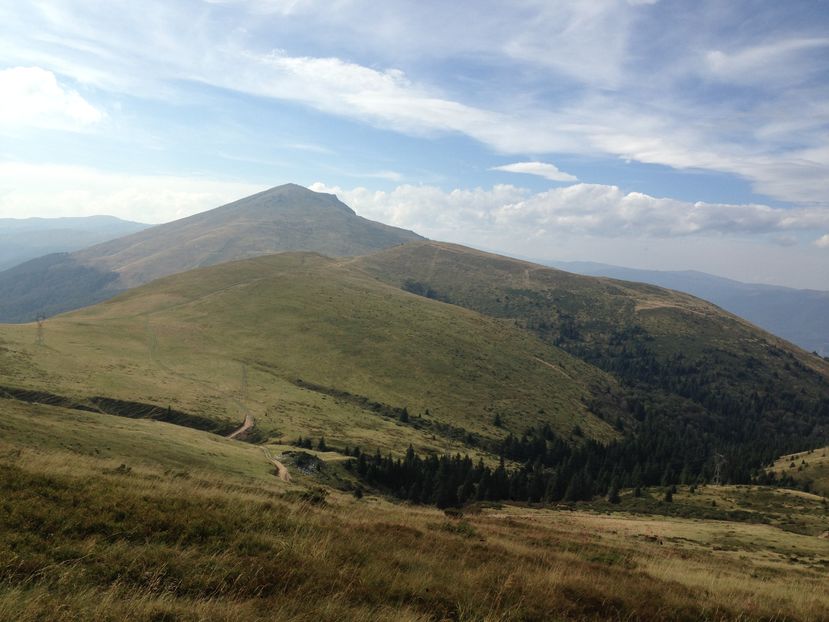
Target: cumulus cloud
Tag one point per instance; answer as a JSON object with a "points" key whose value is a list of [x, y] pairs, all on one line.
{"points": [[822, 241], [584, 209], [602, 223], [33, 96], [542, 169], [54, 191]]}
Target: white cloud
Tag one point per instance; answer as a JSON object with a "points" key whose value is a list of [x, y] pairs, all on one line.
{"points": [[584, 209], [777, 61], [542, 169], [53, 191], [593, 78], [822, 241], [752, 243], [33, 96]]}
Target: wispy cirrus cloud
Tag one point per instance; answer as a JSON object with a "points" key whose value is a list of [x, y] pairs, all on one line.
{"points": [[591, 78]]}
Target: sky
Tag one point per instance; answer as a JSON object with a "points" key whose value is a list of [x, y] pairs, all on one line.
{"points": [[660, 134]]}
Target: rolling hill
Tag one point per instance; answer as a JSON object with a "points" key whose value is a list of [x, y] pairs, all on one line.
{"points": [[123, 501], [797, 315], [285, 218], [22, 239], [447, 349], [806, 469], [701, 381], [312, 346]]}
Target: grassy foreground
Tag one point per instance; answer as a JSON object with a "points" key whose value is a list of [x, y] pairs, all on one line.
{"points": [[205, 531]]}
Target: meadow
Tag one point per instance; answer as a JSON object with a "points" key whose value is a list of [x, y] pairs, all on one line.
{"points": [[100, 524]]}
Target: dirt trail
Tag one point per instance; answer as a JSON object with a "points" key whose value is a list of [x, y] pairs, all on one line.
{"points": [[247, 425], [551, 366], [281, 470], [249, 422]]}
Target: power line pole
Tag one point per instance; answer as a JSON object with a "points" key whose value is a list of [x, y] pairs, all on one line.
{"points": [[40, 339], [719, 462]]}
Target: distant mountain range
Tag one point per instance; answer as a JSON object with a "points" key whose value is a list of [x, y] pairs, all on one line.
{"points": [[22, 239], [797, 315], [285, 218]]}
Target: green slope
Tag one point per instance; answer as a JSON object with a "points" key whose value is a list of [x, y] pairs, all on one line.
{"points": [[222, 340], [696, 372], [806, 469]]}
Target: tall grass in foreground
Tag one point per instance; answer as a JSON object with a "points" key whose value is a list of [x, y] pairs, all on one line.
{"points": [[81, 539]]}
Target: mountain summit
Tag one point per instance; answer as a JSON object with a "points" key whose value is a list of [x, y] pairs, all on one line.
{"points": [[285, 218]]}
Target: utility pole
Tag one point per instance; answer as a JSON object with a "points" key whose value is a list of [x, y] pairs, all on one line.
{"points": [[719, 462], [39, 340]]}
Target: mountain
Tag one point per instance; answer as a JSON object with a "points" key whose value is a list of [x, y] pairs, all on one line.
{"points": [[699, 381], [797, 315], [311, 346], [285, 218], [463, 378], [22, 239], [486, 354]]}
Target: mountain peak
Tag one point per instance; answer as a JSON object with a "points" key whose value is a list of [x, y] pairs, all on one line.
{"points": [[289, 196], [289, 217]]}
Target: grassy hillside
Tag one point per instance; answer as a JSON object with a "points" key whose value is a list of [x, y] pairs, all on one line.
{"points": [[127, 518], [808, 469], [285, 218], [699, 379], [797, 315], [108, 518], [312, 346]]}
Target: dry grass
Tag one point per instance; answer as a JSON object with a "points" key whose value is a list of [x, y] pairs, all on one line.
{"points": [[81, 539]]}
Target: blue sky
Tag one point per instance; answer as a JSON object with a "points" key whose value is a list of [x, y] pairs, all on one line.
{"points": [[657, 134]]}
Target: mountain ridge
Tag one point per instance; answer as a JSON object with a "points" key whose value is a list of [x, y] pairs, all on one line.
{"points": [[284, 218], [797, 315]]}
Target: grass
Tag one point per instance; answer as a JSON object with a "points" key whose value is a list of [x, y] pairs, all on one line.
{"points": [[110, 518], [84, 538], [544, 300], [809, 468], [218, 341]]}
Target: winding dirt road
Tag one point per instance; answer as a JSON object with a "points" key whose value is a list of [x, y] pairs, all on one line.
{"points": [[249, 422], [281, 471], [247, 425]]}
